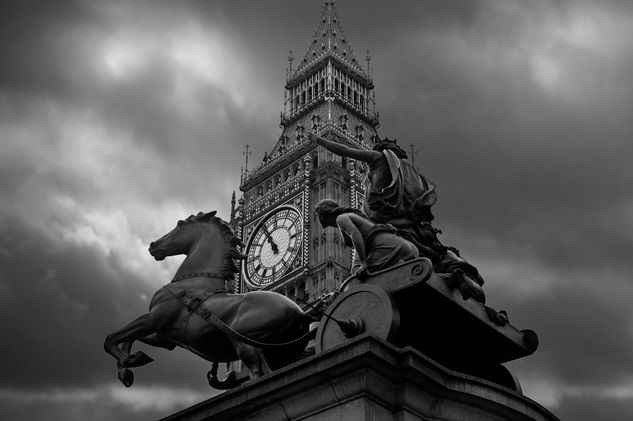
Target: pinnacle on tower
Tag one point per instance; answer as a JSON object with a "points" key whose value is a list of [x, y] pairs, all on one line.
{"points": [[329, 41]]}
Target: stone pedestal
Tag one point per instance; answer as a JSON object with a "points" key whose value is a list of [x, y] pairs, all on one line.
{"points": [[367, 379]]}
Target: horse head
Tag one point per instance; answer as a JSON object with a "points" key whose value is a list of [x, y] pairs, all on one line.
{"points": [[207, 240], [180, 239]]}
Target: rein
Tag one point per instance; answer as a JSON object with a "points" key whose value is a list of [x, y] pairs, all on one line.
{"points": [[194, 305], [214, 275]]}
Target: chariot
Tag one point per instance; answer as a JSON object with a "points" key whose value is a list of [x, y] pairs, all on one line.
{"points": [[411, 305]]}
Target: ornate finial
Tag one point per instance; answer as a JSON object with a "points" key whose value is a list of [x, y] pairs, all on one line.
{"points": [[307, 162], [290, 60], [246, 153], [413, 154], [233, 220]]}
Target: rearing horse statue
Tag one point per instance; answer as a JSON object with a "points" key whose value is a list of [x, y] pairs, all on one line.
{"points": [[195, 311]]}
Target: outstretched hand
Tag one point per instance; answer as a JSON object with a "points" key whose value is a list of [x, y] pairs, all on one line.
{"points": [[362, 273], [312, 136]]}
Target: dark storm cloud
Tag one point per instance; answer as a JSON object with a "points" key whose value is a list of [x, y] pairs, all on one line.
{"points": [[592, 407], [58, 312], [39, 53], [599, 341], [510, 155]]}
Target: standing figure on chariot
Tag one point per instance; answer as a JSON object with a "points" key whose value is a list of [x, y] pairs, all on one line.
{"points": [[396, 194]]}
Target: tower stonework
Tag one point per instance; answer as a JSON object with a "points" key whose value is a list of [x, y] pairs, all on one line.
{"points": [[328, 93]]}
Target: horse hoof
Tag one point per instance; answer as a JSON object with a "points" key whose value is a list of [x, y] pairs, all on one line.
{"points": [[137, 360], [231, 381], [126, 377]]}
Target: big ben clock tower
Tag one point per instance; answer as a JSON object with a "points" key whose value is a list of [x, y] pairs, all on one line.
{"points": [[331, 94]]}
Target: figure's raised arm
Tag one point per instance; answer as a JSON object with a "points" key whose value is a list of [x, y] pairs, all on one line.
{"points": [[342, 150]]}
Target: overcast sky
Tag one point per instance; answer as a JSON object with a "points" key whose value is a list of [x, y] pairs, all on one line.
{"points": [[117, 118]]}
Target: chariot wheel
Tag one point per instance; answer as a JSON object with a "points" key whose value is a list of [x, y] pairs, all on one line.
{"points": [[361, 309]]}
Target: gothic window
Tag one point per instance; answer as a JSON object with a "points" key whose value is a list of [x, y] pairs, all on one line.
{"points": [[269, 185], [299, 132], [278, 179], [315, 160], [315, 122], [303, 98], [360, 132], [336, 85], [343, 122], [301, 290]]}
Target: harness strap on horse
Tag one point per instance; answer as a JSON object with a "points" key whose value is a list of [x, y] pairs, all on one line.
{"points": [[214, 275], [194, 305]]}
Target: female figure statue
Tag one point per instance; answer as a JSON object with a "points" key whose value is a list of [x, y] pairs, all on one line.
{"points": [[377, 245]]}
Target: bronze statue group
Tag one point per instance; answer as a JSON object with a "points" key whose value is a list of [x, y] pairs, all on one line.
{"points": [[267, 330], [395, 222]]}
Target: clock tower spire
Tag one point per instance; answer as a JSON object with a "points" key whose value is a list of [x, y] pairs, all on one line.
{"points": [[327, 92]]}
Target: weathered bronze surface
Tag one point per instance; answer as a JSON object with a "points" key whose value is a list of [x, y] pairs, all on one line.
{"points": [[410, 289], [263, 329], [410, 305], [396, 194], [377, 245]]}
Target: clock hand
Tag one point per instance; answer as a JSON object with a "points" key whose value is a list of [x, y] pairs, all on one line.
{"points": [[270, 240], [273, 245]]}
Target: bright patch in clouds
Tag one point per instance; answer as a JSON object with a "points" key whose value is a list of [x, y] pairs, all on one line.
{"points": [[568, 51], [138, 398], [501, 275], [550, 393], [122, 59], [154, 397], [84, 185], [547, 70], [195, 55]]}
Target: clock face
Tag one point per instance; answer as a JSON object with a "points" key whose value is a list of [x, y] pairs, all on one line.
{"points": [[273, 246]]}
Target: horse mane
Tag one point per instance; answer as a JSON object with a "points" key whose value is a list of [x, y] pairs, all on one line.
{"points": [[229, 268]]}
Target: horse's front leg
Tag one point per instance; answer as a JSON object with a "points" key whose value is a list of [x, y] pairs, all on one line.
{"points": [[154, 340], [139, 328]]}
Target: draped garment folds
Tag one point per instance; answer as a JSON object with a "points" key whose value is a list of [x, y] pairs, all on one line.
{"points": [[408, 197], [384, 247], [405, 202]]}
